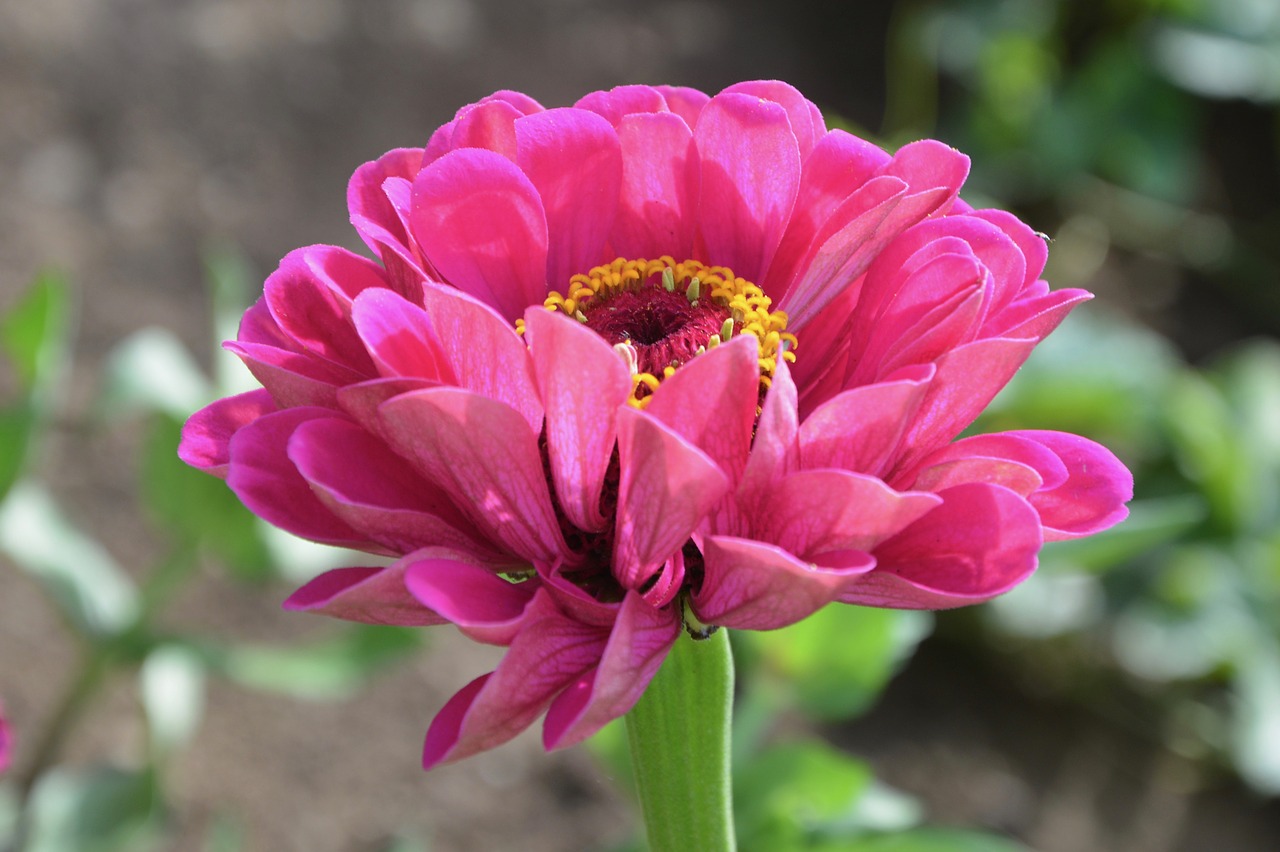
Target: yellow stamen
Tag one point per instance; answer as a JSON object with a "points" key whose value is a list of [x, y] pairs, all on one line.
{"points": [[748, 306]]}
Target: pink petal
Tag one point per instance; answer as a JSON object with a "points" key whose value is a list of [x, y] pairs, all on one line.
{"points": [[666, 487], [621, 101], [359, 479], [490, 125], [582, 382], [362, 399], [368, 595], [843, 248], [684, 102], [1091, 497], [775, 452], [397, 335], [483, 351], [292, 378], [311, 308], [821, 511], [755, 586], [861, 430], [573, 158], [639, 643], [806, 122], [480, 222], [207, 434], [981, 542], [711, 402], [967, 379], [267, 482], [549, 653], [483, 605], [1036, 317], [486, 458], [378, 222], [934, 171], [750, 166], [837, 168], [658, 193]]}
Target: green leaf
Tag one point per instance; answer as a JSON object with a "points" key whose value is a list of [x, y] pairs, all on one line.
{"points": [[841, 657], [33, 331], [1256, 741], [151, 370], [333, 667], [930, 840], [33, 339], [198, 507], [171, 682], [793, 793], [97, 810], [80, 576]]}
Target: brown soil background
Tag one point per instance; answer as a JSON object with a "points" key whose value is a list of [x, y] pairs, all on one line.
{"points": [[135, 133]]}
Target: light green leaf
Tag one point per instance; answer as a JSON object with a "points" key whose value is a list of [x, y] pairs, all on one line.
{"points": [[152, 371], [331, 668], [33, 331], [1256, 745], [789, 794], [94, 593], [172, 685], [841, 657], [929, 840], [199, 507], [98, 810]]}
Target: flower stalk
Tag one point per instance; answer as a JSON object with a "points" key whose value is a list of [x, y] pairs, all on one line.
{"points": [[679, 737]]}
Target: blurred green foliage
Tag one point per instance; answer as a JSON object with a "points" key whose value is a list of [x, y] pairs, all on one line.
{"points": [[151, 383]]}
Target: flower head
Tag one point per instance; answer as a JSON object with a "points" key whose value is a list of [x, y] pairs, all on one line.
{"points": [[654, 360]]}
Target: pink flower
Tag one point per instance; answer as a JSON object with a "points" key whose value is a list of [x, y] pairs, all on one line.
{"points": [[654, 359]]}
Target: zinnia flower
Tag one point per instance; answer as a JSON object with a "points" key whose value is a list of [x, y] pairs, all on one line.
{"points": [[6, 742], [653, 360]]}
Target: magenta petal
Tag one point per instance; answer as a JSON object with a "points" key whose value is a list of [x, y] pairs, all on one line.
{"points": [[362, 399], [550, 652], [981, 542], [359, 479], [582, 382], [1091, 498], [490, 125], [807, 126], [486, 457], [755, 586], [656, 204], [711, 402], [293, 378], [685, 102], [861, 429], [481, 224], [267, 482], [836, 169], [639, 643], [482, 604], [206, 436], [483, 351], [821, 511], [365, 198], [666, 487], [967, 379], [573, 158], [621, 101], [750, 177], [368, 595], [775, 452], [314, 316], [398, 337]]}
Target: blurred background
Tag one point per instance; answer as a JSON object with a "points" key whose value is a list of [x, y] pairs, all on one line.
{"points": [[157, 157]]}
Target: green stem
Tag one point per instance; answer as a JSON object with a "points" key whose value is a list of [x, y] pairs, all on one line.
{"points": [[679, 736]]}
